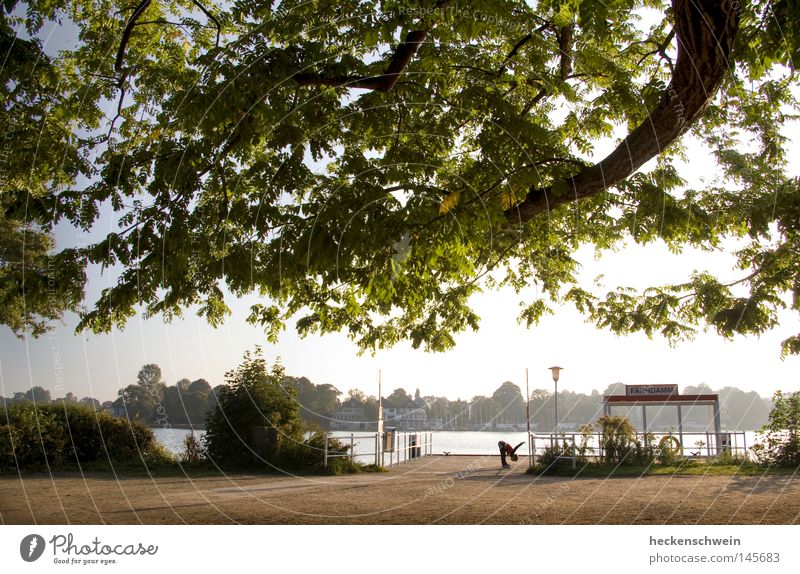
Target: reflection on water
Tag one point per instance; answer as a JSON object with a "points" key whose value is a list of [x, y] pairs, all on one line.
{"points": [[172, 439]]}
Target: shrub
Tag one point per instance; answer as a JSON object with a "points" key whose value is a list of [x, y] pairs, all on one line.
{"points": [[779, 439], [339, 466], [551, 453], [583, 447], [38, 436], [9, 438], [35, 439], [310, 453], [646, 451], [193, 451], [666, 454], [727, 458], [126, 440], [618, 438], [621, 445], [257, 417]]}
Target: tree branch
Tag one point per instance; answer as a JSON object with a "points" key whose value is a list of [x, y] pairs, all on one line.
{"points": [[705, 32], [525, 39], [122, 90], [137, 13], [126, 33], [535, 100], [661, 50], [210, 16], [565, 41], [565, 49], [383, 83]]}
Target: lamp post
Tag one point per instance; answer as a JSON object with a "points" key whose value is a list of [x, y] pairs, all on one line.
{"points": [[556, 372], [528, 418]]}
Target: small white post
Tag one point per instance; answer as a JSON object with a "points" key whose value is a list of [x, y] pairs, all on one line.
{"points": [[574, 453]]}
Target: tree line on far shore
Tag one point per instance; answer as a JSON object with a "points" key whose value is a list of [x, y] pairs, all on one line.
{"points": [[187, 403]]}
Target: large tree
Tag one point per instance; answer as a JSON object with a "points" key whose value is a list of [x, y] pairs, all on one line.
{"points": [[38, 395], [368, 167], [400, 399], [255, 397], [317, 402], [149, 377], [512, 405]]}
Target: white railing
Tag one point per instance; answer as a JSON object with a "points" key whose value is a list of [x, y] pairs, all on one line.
{"points": [[407, 446], [687, 444], [376, 447]]}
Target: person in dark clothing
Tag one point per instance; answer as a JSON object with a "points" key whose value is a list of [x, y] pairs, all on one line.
{"points": [[507, 449]]}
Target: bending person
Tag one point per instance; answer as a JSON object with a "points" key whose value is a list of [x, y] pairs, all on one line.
{"points": [[507, 449]]}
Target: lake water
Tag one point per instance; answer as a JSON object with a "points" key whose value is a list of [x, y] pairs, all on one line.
{"points": [[461, 442]]}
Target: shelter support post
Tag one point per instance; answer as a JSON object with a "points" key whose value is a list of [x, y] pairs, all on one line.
{"points": [[717, 427]]}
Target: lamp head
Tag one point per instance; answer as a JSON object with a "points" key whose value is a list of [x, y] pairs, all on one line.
{"points": [[556, 372]]}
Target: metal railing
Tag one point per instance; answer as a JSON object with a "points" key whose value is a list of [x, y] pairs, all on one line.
{"points": [[374, 447], [407, 446], [687, 444]]}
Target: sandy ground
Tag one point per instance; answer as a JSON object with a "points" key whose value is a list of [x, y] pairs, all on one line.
{"points": [[443, 490]]}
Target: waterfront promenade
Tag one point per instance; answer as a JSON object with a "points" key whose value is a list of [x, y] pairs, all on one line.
{"points": [[433, 490]]}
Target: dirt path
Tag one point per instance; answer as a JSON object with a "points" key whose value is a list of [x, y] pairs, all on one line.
{"points": [[443, 490]]}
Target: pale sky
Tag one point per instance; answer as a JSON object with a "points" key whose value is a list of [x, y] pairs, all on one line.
{"points": [[98, 365]]}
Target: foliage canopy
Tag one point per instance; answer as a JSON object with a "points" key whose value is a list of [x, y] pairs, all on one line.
{"points": [[369, 166]]}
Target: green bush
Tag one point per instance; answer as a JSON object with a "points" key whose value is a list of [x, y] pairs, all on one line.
{"points": [[646, 451], [665, 454], [38, 436], [256, 421], [309, 454], [9, 438], [193, 451], [779, 439], [727, 458], [340, 466], [551, 453], [622, 446], [618, 438]]}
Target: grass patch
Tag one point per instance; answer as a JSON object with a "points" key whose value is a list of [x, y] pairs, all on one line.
{"points": [[684, 467], [339, 466], [171, 467]]}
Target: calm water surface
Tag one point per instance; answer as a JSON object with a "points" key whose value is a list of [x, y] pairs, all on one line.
{"points": [[463, 442]]}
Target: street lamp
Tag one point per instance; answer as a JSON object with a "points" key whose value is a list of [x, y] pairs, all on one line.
{"points": [[556, 372]]}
